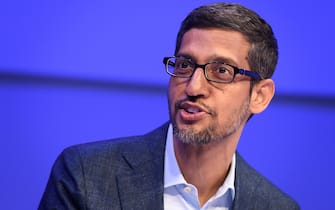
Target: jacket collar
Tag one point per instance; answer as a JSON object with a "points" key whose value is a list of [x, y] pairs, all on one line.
{"points": [[141, 185], [246, 182]]}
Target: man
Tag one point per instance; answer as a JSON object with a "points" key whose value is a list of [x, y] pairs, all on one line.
{"points": [[220, 76]]}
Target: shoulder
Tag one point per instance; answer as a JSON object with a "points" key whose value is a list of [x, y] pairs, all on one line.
{"points": [[253, 189], [89, 174], [113, 149]]}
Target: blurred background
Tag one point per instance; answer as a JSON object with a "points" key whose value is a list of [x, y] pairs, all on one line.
{"points": [[78, 71]]}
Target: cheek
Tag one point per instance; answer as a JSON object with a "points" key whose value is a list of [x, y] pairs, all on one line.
{"points": [[171, 95], [174, 90], [229, 102], [175, 93], [170, 90]]}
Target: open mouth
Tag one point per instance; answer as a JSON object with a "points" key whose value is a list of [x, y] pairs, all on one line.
{"points": [[191, 112], [191, 108]]}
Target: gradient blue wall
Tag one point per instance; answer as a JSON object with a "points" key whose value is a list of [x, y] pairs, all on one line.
{"points": [[79, 71]]}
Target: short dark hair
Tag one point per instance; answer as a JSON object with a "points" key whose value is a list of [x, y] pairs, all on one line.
{"points": [[263, 55]]}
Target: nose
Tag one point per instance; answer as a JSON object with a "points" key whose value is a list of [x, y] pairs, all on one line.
{"points": [[197, 86]]}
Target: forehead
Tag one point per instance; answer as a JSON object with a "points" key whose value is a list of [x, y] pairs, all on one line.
{"points": [[205, 45]]}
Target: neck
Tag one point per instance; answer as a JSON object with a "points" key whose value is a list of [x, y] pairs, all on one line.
{"points": [[205, 166]]}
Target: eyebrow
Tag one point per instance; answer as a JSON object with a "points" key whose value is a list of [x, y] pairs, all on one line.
{"points": [[224, 60], [214, 58]]}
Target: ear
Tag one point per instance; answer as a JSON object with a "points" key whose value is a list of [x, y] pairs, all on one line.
{"points": [[261, 95]]}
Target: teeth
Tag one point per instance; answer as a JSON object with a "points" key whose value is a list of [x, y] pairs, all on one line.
{"points": [[192, 110]]}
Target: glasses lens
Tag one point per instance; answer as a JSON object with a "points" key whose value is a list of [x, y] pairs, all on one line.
{"points": [[180, 67], [220, 72]]}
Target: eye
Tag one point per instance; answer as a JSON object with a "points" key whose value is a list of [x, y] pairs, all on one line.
{"points": [[220, 72], [183, 67], [183, 64], [223, 70]]}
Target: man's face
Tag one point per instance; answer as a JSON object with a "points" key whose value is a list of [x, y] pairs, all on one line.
{"points": [[203, 111]]}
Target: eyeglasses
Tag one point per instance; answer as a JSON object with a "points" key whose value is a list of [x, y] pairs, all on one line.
{"points": [[179, 66]]}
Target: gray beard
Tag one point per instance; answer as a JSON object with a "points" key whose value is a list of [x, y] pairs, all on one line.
{"points": [[190, 136], [212, 133]]}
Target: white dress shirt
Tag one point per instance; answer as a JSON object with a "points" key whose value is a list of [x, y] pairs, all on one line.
{"points": [[180, 195]]}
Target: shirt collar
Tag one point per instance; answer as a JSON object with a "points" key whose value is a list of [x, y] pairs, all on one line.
{"points": [[173, 175]]}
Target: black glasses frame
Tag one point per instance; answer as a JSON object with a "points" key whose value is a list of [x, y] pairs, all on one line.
{"points": [[237, 70]]}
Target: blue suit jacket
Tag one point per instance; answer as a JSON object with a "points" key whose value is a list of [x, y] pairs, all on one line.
{"points": [[128, 173]]}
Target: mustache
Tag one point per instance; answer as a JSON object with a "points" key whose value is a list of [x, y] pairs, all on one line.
{"points": [[178, 105]]}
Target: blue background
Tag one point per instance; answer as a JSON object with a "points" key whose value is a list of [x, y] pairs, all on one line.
{"points": [[77, 71]]}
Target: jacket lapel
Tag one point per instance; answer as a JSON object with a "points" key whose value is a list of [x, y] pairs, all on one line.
{"points": [[245, 185], [141, 183], [141, 191]]}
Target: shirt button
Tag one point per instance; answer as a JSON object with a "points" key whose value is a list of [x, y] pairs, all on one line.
{"points": [[187, 189]]}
